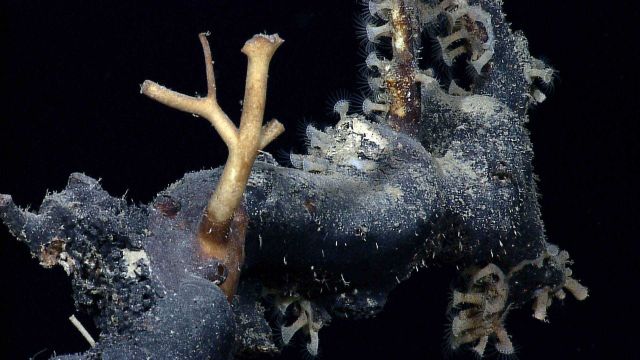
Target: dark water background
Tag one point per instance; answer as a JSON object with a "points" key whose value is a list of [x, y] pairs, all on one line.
{"points": [[71, 74]]}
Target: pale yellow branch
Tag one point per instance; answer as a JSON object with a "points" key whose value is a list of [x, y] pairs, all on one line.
{"points": [[208, 66], [206, 107], [235, 175], [243, 144], [172, 98], [270, 131], [222, 230]]}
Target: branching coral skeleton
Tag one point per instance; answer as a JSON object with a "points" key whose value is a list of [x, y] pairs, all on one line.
{"points": [[222, 229], [480, 311]]}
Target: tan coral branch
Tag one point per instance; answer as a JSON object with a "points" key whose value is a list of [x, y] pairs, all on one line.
{"points": [[228, 193], [270, 131], [206, 107], [222, 229]]}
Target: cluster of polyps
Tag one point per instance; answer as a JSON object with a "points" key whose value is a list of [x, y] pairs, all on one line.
{"points": [[390, 26], [471, 32], [480, 312], [544, 296], [306, 319]]}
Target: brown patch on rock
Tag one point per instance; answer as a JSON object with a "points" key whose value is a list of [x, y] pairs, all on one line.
{"points": [[50, 252], [224, 242], [310, 206], [167, 206]]}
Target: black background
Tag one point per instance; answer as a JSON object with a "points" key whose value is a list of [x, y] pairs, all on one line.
{"points": [[71, 74]]}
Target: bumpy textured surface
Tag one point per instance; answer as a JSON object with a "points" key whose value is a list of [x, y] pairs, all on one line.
{"points": [[424, 177], [102, 243]]}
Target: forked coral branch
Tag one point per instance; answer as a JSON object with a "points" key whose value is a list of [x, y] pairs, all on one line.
{"points": [[221, 233]]}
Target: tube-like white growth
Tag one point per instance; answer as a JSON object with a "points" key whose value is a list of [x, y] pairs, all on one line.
{"points": [[375, 32], [449, 55], [82, 330], [579, 291], [539, 96], [480, 62], [375, 83], [446, 41], [341, 108], [545, 74], [380, 9], [369, 106], [560, 294], [373, 61], [503, 343], [464, 321], [289, 331], [541, 304], [481, 345], [314, 342], [467, 298]]}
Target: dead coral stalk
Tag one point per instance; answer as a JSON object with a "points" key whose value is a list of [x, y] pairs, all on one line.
{"points": [[221, 233]]}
